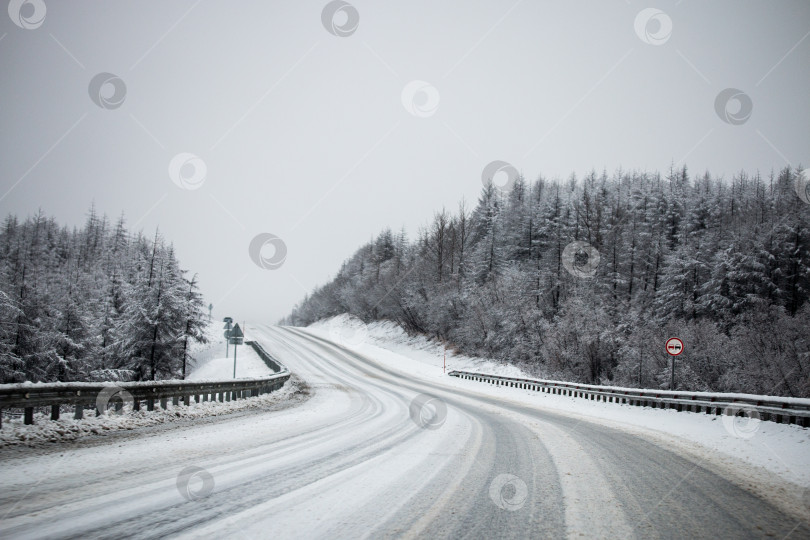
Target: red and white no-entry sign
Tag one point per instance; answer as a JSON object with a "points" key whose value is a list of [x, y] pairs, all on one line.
{"points": [[674, 346]]}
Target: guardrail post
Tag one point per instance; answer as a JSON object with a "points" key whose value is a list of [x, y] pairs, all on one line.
{"points": [[78, 414], [175, 401], [150, 404], [54, 412], [29, 416], [164, 403]]}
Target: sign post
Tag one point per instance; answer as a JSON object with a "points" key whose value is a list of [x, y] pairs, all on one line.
{"points": [[236, 336], [227, 328], [674, 347]]}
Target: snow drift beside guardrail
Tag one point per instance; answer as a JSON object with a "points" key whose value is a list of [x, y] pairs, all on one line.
{"points": [[774, 408], [100, 396]]}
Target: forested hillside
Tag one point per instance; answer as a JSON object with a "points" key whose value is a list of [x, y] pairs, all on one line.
{"points": [[93, 303], [722, 263]]}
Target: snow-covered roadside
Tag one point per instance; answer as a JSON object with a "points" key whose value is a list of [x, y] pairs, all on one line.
{"points": [[351, 332], [68, 429], [248, 365], [783, 450]]}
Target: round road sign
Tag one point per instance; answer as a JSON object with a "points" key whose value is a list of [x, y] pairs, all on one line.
{"points": [[674, 346]]}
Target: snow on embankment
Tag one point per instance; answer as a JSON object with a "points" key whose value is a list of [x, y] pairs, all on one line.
{"points": [[352, 332], [248, 365], [763, 448]]}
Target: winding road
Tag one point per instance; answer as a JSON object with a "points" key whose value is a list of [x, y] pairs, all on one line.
{"points": [[372, 454]]}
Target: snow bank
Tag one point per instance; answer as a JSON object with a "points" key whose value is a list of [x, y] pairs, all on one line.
{"points": [[248, 365], [351, 332], [779, 449], [67, 429]]}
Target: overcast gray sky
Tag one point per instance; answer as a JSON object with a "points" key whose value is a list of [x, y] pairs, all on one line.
{"points": [[324, 139]]}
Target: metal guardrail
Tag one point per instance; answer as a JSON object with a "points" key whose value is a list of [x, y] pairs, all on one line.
{"points": [[82, 395], [771, 408], [271, 362]]}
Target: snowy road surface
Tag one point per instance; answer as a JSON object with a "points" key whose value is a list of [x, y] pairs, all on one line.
{"points": [[362, 459]]}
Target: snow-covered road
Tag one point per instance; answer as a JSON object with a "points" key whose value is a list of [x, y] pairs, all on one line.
{"points": [[375, 454]]}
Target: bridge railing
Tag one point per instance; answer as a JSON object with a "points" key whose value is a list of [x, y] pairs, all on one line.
{"points": [[99, 395], [770, 408]]}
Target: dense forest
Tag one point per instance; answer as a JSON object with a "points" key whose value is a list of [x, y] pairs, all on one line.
{"points": [[585, 279], [94, 303]]}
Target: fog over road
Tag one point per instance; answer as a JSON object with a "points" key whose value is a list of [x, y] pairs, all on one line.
{"points": [[373, 455]]}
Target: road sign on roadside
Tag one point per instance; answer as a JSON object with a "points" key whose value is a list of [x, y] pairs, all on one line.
{"points": [[227, 328], [674, 346], [235, 338], [236, 332]]}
